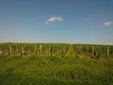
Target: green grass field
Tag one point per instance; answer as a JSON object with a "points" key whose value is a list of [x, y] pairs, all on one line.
{"points": [[55, 70]]}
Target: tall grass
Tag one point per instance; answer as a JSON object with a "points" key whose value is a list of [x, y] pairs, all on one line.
{"points": [[55, 70]]}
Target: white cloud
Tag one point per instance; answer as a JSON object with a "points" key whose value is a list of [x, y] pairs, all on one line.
{"points": [[55, 19], [108, 23]]}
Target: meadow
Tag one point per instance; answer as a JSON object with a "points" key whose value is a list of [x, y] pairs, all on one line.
{"points": [[55, 64]]}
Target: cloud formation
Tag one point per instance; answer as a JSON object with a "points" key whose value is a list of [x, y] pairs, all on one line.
{"points": [[55, 19], [108, 23]]}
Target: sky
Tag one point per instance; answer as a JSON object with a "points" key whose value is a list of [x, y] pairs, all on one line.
{"points": [[57, 21]]}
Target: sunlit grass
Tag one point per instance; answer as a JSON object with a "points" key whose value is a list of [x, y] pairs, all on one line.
{"points": [[33, 70]]}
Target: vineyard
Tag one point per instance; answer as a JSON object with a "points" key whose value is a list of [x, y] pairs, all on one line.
{"points": [[55, 64], [42, 49]]}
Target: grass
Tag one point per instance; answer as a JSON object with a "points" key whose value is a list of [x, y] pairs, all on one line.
{"points": [[35, 70]]}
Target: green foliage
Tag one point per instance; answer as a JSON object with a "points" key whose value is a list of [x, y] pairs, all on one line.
{"points": [[55, 64], [55, 70], [46, 49]]}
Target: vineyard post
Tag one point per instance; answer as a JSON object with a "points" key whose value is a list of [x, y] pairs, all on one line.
{"points": [[35, 49], [107, 51], [92, 51], [97, 54], [22, 51], [0, 52], [78, 48], [41, 49], [49, 50], [10, 50]]}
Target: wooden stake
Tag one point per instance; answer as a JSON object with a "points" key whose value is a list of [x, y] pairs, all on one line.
{"points": [[0, 52], [41, 49], [10, 50], [35, 48], [49, 50], [92, 51], [107, 51], [22, 51]]}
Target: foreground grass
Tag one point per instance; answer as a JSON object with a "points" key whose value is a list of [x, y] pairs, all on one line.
{"points": [[16, 70]]}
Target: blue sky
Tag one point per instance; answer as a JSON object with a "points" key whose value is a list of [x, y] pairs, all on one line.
{"points": [[59, 21]]}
